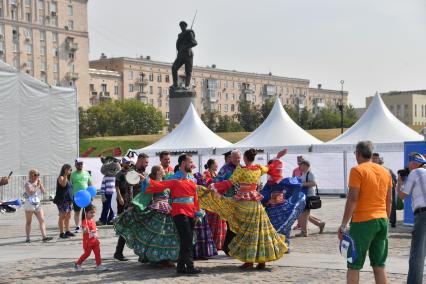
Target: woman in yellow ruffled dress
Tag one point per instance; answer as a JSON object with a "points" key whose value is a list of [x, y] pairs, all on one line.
{"points": [[256, 240]]}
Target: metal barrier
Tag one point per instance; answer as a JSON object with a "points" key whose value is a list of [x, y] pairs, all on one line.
{"points": [[15, 188]]}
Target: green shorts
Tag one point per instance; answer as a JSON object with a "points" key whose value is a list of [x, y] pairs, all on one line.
{"points": [[371, 236]]}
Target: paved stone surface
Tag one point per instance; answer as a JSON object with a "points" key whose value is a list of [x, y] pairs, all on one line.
{"points": [[314, 259]]}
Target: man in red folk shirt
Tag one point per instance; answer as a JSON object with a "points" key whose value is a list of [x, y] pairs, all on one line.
{"points": [[183, 193]]}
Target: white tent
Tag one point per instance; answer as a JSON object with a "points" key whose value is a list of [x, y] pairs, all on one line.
{"points": [[39, 124], [191, 135], [378, 125], [278, 130]]}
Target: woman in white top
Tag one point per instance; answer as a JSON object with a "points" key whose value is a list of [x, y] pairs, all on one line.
{"points": [[33, 188]]}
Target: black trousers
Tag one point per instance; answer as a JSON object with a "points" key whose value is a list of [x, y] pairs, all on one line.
{"points": [[121, 241], [392, 219], [181, 60], [185, 228], [228, 239]]}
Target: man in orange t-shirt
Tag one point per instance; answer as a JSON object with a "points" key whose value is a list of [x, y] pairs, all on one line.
{"points": [[369, 206]]}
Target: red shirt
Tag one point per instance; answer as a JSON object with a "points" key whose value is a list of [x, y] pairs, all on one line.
{"points": [[178, 188], [91, 226], [297, 172], [169, 170]]}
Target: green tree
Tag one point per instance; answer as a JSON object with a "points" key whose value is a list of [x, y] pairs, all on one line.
{"points": [[210, 119], [249, 115], [227, 124], [266, 107], [292, 112]]}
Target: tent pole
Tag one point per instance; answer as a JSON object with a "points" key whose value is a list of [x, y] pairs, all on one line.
{"points": [[200, 163], [345, 174]]}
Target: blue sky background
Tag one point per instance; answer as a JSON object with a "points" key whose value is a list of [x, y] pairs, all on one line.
{"points": [[374, 46]]}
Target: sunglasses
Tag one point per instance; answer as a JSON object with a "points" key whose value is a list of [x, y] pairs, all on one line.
{"points": [[36, 175]]}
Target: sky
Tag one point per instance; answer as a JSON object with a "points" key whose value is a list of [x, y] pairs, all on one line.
{"points": [[374, 46]]}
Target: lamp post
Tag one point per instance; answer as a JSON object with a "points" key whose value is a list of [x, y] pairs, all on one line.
{"points": [[341, 107]]}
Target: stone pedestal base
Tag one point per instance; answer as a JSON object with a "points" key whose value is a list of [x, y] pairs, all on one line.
{"points": [[179, 102]]}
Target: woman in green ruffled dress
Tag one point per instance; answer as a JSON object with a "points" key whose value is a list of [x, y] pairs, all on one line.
{"points": [[148, 226]]}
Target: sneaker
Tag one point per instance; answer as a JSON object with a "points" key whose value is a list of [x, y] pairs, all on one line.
{"points": [[46, 239], [28, 240], [120, 257], [63, 236], [321, 227], [77, 267], [101, 268], [69, 234], [77, 230]]}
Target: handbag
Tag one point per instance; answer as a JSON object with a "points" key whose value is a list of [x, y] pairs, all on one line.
{"points": [[313, 202]]}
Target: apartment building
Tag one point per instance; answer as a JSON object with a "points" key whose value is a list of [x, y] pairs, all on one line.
{"points": [[217, 89], [104, 85], [47, 39], [407, 106]]}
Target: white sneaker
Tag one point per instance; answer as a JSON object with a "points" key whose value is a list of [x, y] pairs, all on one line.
{"points": [[77, 267], [77, 230], [101, 268]]}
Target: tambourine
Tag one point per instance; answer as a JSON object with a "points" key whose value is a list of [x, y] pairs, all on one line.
{"points": [[132, 177]]}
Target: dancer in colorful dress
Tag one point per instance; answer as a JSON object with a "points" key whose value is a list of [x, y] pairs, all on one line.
{"points": [[183, 193], [256, 240], [283, 200], [217, 224], [148, 227]]}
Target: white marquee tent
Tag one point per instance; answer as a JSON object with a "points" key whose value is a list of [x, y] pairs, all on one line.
{"points": [[378, 125], [277, 131], [191, 135], [39, 124]]}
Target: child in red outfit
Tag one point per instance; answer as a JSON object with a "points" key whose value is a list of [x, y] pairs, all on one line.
{"points": [[90, 240]]}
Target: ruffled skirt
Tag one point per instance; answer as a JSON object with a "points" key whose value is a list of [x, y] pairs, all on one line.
{"points": [[204, 245], [151, 234], [256, 240], [218, 228]]}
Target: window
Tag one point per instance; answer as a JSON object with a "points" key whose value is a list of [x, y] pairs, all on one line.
{"points": [[160, 91], [131, 88], [1, 46], [70, 11], [151, 102], [219, 107], [232, 107], [71, 55], [70, 25], [151, 77], [55, 37], [40, 4], [42, 36], [167, 79], [42, 51], [225, 84], [56, 82], [55, 52], [16, 62], [14, 14], [43, 67], [28, 2], [233, 97], [226, 96], [29, 48], [53, 7], [54, 21], [103, 88], [15, 33], [415, 110], [43, 77], [151, 90], [27, 34], [225, 108], [423, 111], [159, 78], [92, 87], [30, 65], [116, 90], [130, 75], [159, 102], [1, 12], [15, 47], [167, 115], [28, 17]]}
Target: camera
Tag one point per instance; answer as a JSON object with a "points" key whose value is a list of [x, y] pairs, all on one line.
{"points": [[403, 173]]}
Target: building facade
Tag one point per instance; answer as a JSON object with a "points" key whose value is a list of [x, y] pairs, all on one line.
{"points": [[104, 85], [217, 89], [48, 39], [407, 106]]}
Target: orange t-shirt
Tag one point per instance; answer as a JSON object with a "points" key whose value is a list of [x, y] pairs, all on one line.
{"points": [[373, 182]]}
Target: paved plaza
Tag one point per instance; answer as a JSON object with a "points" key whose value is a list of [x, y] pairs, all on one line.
{"points": [[312, 260]]}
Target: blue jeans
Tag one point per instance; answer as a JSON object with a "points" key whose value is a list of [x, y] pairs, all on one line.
{"points": [[107, 214], [418, 249]]}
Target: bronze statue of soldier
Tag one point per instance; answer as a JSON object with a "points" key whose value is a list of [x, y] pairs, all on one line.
{"points": [[184, 44]]}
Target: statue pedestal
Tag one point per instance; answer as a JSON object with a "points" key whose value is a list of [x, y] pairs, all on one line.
{"points": [[179, 102]]}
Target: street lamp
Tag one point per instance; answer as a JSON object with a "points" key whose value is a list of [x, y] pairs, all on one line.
{"points": [[341, 106]]}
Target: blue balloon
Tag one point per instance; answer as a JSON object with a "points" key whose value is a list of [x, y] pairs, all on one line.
{"points": [[92, 190], [82, 198]]}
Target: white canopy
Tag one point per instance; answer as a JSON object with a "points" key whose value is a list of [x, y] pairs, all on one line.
{"points": [[278, 130], [190, 135], [39, 124], [378, 125]]}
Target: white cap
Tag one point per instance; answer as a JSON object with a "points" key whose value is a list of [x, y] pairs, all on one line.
{"points": [[78, 161]]}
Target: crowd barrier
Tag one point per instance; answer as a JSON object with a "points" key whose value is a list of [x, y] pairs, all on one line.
{"points": [[15, 188]]}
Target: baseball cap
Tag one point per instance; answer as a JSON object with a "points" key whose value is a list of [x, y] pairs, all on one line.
{"points": [[126, 160], [78, 161], [416, 157]]}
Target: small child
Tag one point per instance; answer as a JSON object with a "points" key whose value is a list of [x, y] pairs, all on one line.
{"points": [[90, 240]]}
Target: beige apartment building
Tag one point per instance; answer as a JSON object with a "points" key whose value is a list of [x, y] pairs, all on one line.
{"points": [[104, 85], [217, 89], [407, 106], [47, 39]]}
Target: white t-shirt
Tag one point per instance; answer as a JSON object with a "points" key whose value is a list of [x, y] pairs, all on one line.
{"points": [[416, 184], [311, 177]]}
